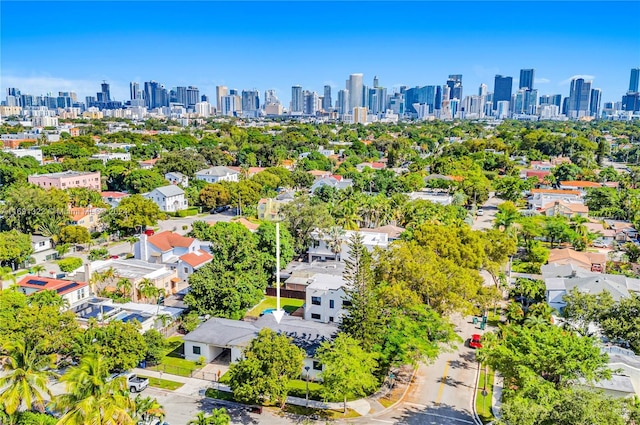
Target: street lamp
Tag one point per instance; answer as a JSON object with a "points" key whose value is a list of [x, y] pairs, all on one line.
{"points": [[306, 368]]}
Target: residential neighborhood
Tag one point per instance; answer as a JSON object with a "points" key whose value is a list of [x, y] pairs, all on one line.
{"points": [[408, 273]]}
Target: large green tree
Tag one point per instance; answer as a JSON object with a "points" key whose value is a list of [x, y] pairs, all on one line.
{"points": [[15, 247], [132, 215], [28, 208], [269, 362], [121, 344], [347, 369], [235, 280], [363, 317], [303, 217], [533, 358]]}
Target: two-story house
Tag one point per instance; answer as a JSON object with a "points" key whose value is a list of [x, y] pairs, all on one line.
{"points": [[180, 253], [42, 249], [320, 244], [169, 198], [89, 218], [218, 174], [325, 298], [71, 292], [541, 197]]}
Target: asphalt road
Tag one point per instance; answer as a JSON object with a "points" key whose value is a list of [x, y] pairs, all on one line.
{"points": [[442, 391]]}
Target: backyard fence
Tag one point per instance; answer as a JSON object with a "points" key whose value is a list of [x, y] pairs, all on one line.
{"points": [[287, 293]]}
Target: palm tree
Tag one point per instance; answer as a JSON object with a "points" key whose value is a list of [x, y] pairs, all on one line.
{"points": [[514, 312], [132, 241], [334, 239], [25, 378], [534, 321], [49, 227], [63, 249], [217, 417], [38, 269], [124, 286], [146, 409], [91, 397], [504, 219], [147, 289]]}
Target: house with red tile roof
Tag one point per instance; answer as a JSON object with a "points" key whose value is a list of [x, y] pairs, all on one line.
{"points": [[177, 252], [541, 197], [565, 209], [72, 292]]}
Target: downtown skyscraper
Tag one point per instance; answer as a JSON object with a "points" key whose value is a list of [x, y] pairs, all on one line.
{"points": [[579, 98], [356, 91], [526, 79], [502, 87]]}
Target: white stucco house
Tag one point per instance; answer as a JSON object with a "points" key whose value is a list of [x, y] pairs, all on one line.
{"points": [[224, 339], [320, 247], [218, 174], [180, 253], [169, 198], [42, 249], [175, 177], [325, 298], [71, 292]]}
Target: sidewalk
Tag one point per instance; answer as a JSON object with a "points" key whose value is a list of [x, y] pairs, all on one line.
{"points": [[196, 387]]}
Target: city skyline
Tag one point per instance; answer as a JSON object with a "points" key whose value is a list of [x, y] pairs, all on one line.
{"points": [[244, 57]]}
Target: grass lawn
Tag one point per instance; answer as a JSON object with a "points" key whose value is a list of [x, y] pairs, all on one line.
{"points": [[287, 304], [494, 319], [172, 362], [321, 413], [386, 402], [165, 384], [483, 404]]}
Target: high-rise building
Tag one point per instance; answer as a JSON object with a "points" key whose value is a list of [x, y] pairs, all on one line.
{"points": [[526, 79], [482, 90], [181, 96], [634, 81], [192, 97], [594, 103], [579, 98], [310, 103], [326, 99], [530, 101], [377, 100], [375, 82], [106, 93], [565, 106], [297, 100], [454, 82], [155, 95], [343, 102], [270, 97], [631, 102], [396, 103], [134, 90], [221, 91], [250, 100], [438, 99], [228, 105], [502, 87], [356, 91]]}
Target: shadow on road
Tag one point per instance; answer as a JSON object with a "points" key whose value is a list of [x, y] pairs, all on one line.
{"points": [[238, 413], [434, 415]]}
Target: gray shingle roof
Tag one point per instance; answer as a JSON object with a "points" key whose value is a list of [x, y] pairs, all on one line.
{"points": [[171, 190], [219, 332], [219, 171]]}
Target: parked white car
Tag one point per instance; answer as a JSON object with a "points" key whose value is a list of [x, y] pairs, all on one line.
{"points": [[598, 243]]}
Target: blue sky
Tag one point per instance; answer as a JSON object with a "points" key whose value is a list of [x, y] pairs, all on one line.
{"points": [[63, 46]]}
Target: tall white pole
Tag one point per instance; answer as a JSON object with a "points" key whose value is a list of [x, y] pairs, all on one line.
{"points": [[278, 266]]}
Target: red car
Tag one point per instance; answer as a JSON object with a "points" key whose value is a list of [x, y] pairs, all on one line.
{"points": [[474, 341]]}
